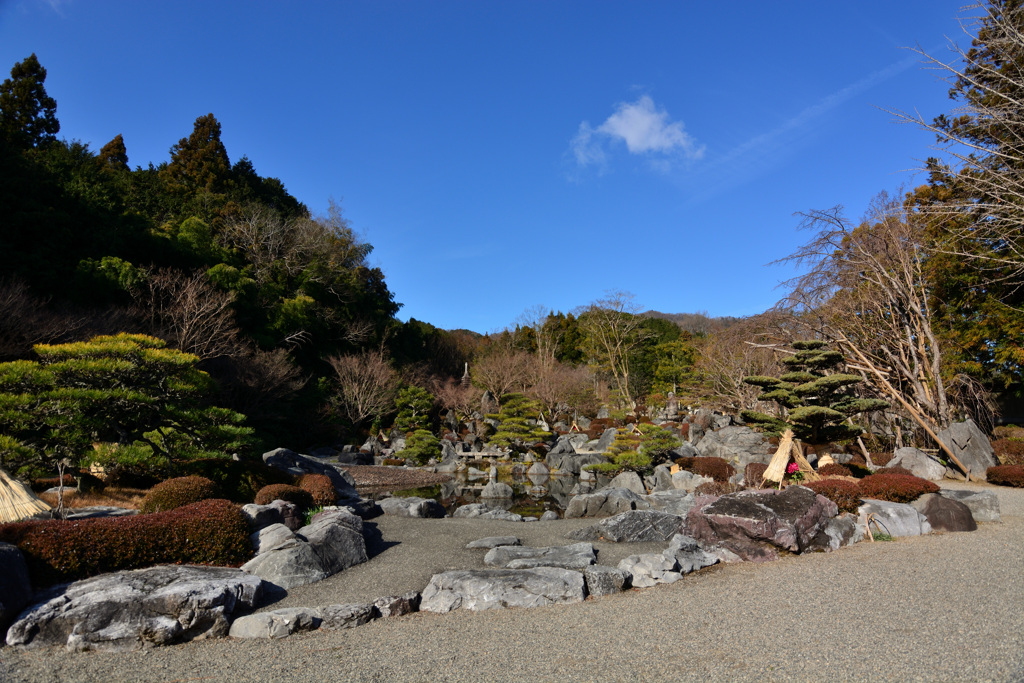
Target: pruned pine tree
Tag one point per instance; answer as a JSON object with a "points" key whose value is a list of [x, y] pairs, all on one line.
{"points": [[816, 401]]}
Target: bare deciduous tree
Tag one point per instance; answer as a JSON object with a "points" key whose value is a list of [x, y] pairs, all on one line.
{"points": [[453, 395], [560, 387], [190, 313], [727, 355], [503, 370], [366, 385]]}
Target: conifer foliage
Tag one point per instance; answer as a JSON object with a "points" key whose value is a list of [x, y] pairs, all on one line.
{"points": [[815, 398]]}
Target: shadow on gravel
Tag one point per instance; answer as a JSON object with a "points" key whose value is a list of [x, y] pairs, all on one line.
{"points": [[375, 543]]}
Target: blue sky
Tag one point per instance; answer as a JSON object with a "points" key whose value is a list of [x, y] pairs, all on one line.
{"points": [[503, 155]]}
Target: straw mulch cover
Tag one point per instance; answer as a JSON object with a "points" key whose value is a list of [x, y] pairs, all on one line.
{"points": [[17, 501]]}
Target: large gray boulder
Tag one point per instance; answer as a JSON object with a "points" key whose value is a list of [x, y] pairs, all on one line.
{"points": [[945, 514], [633, 526], [984, 505], [275, 512], [838, 533], [136, 609], [919, 463], [606, 439], [684, 480], [497, 489], [273, 536], [756, 524], [412, 506], [337, 538], [629, 480], [333, 541], [739, 446], [895, 519], [298, 464], [15, 588], [971, 447], [604, 503], [483, 589], [575, 556]]}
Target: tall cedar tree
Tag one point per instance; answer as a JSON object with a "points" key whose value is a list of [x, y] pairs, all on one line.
{"points": [[28, 116], [199, 163]]}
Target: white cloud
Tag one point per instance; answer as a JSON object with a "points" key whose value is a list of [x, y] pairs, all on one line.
{"points": [[645, 129]]}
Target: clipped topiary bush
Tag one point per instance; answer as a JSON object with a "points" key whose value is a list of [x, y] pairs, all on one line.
{"points": [[1006, 475], [716, 468], [834, 469], [239, 480], [213, 532], [174, 493], [896, 488], [881, 459], [285, 492], [845, 494], [753, 474], [320, 488]]}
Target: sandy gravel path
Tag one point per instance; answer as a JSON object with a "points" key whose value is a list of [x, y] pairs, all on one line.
{"points": [[945, 607]]}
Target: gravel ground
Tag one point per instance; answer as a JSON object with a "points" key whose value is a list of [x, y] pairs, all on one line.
{"points": [[942, 607]]}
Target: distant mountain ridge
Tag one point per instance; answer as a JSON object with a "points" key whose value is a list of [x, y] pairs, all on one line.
{"points": [[695, 323]]}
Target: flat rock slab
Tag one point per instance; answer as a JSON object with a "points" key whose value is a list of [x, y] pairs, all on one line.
{"points": [[494, 542], [575, 556], [138, 609], [482, 511], [673, 502], [919, 463], [483, 589], [635, 526], [984, 505], [277, 624]]}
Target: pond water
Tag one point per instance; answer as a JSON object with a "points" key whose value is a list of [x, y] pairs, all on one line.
{"points": [[533, 495]]}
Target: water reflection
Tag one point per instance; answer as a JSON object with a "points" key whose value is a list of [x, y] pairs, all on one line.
{"points": [[533, 494]]}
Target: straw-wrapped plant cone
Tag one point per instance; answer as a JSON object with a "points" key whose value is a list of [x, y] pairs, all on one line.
{"points": [[17, 501]]}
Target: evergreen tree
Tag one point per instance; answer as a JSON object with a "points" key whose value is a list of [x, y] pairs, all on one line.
{"points": [[114, 155], [515, 431], [817, 403], [199, 163], [28, 116], [414, 404]]}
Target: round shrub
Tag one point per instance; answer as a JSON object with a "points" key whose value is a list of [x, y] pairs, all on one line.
{"points": [[716, 468], [1006, 475], [895, 469], [285, 492], [239, 480], [174, 493], [834, 469], [845, 494], [881, 459], [896, 488], [754, 473], [320, 488]]}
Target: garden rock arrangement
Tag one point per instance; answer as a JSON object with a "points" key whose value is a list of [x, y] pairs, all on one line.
{"points": [[331, 542], [484, 589], [136, 609]]}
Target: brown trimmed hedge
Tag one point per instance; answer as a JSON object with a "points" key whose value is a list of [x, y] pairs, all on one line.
{"points": [[895, 469], [845, 494], [1009, 451], [1006, 475], [320, 487], [285, 492], [213, 532], [895, 488], [177, 492], [715, 468], [715, 488]]}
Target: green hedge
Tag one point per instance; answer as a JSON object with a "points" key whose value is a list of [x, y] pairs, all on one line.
{"points": [[213, 532]]}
